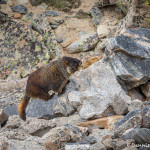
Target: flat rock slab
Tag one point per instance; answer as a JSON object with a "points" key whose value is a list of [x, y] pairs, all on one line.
{"points": [[129, 55], [106, 122], [77, 146], [51, 13]]}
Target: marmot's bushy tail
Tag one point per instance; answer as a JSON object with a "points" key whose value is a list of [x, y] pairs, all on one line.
{"points": [[22, 107]]}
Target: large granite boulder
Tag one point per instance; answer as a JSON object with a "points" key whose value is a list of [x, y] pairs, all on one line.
{"points": [[129, 55], [94, 92]]}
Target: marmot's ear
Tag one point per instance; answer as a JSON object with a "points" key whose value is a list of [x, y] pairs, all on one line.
{"points": [[65, 60]]}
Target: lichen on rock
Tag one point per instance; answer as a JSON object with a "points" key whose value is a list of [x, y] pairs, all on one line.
{"points": [[26, 46]]}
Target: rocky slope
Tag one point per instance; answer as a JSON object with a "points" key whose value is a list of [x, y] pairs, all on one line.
{"points": [[106, 105]]}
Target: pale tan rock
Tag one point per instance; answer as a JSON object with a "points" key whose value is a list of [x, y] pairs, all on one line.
{"points": [[106, 122], [102, 31], [17, 15], [5, 8]]}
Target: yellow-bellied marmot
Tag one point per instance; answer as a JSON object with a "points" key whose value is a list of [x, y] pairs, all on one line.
{"points": [[53, 76]]}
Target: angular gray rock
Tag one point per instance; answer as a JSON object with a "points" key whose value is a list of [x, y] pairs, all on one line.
{"points": [[94, 92], [129, 55], [135, 104], [141, 136], [146, 117], [86, 43], [98, 146], [96, 15], [62, 135], [121, 144], [146, 89], [51, 13], [133, 119]]}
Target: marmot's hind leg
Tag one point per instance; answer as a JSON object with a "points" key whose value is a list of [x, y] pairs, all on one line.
{"points": [[45, 95], [40, 93]]}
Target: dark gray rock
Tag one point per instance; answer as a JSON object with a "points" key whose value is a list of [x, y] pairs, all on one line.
{"points": [[96, 15], [134, 119], [39, 108], [20, 9], [129, 55], [3, 1], [54, 26], [35, 2], [141, 136], [51, 13], [59, 40]]}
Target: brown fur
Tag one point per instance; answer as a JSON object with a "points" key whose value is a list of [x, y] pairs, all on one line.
{"points": [[50, 77]]}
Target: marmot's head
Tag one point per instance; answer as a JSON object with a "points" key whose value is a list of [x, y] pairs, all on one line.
{"points": [[73, 64]]}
